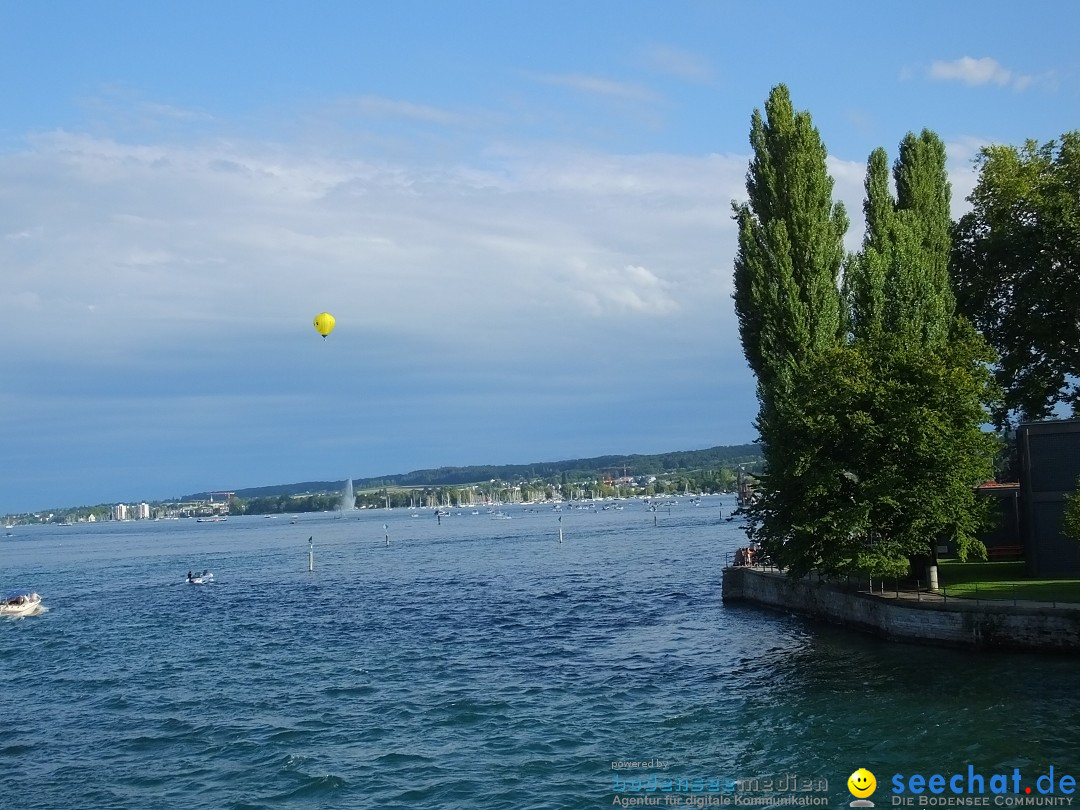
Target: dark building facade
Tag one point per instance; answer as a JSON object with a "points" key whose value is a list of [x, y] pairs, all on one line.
{"points": [[1002, 537], [1049, 466]]}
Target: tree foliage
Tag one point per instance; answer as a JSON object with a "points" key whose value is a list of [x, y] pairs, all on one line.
{"points": [[871, 396], [790, 247], [1016, 271], [881, 457], [899, 283]]}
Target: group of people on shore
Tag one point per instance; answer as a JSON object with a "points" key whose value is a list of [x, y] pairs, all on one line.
{"points": [[749, 555]]}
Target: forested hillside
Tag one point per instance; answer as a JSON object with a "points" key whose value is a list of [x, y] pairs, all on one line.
{"points": [[600, 466]]}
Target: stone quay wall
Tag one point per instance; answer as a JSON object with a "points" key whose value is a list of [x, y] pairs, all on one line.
{"points": [[952, 622]]}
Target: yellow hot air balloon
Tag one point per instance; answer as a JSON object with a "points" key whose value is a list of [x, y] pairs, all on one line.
{"points": [[324, 324]]}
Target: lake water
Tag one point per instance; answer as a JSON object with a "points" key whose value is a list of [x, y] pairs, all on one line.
{"points": [[472, 664]]}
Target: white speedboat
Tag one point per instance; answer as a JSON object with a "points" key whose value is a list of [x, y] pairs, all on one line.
{"points": [[21, 603], [200, 578]]}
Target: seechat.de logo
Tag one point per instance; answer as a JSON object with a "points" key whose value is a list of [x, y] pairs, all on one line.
{"points": [[861, 784]]}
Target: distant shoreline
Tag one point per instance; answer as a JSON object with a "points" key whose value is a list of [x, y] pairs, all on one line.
{"points": [[673, 464]]}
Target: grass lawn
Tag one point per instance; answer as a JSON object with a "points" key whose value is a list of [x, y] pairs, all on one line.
{"points": [[1002, 580]]}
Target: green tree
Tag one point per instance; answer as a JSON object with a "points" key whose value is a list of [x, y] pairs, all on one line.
{"points": [[902, 321], [871, 425], [787, 299], [885, 450], [1016, 271], [899, 283], [790, 248]]}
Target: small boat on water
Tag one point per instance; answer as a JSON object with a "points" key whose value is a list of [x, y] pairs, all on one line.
{"points": [[200, 578], [21, 603]]}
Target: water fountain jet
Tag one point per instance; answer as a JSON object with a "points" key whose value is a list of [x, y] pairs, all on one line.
{"points": [[348, 499]]}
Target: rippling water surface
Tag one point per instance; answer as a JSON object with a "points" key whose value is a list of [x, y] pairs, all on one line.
{"points": [[476, 663]]}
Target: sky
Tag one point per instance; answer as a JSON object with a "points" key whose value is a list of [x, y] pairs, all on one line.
{"points": [[518, 213]]}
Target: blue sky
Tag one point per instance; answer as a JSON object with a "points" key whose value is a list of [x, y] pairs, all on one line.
{"points": [[519, 214]]}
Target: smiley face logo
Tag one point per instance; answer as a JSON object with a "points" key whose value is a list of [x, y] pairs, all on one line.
{"points": [[861, 783]]}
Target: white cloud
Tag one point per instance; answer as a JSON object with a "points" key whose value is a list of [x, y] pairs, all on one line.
{"points": [[150, 238], [121, 107], [597, 85], [157, 237], [629, 289], [849, 177], [376, 106], [169, 111], [974, 72], [679, 63]]}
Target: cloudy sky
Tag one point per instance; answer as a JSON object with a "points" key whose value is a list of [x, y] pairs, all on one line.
{"points": [[519, 214]]}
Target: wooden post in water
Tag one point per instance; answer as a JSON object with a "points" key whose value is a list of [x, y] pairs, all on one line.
{"points": [[387, 530], [310, 554], [560, 528]]}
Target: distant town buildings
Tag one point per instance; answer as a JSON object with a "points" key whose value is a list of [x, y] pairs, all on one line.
{"points": [[123, 512]]}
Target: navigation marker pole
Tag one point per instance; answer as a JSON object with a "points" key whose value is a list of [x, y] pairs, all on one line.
{"points": [[387, 530], [310, 554], [560, 528]]}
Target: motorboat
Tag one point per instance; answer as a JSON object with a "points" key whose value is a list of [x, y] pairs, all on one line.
{"points": [[21, 603], [200, 578]]}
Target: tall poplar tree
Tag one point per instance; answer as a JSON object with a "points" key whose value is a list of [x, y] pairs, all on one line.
{"points": [[790, 246], [787, 297], [902, 404], [899, 284]]}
